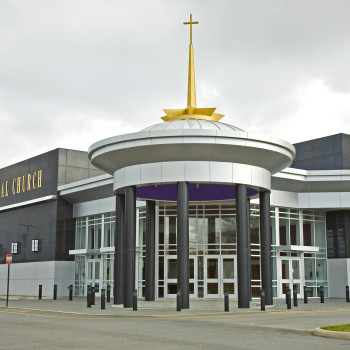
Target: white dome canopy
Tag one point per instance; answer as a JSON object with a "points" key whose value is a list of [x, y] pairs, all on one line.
{"points": [[191, 124]]}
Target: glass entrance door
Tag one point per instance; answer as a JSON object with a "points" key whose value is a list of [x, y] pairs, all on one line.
{"points": [[170, 278], [290, 275], [94, 275], [219, 275]]}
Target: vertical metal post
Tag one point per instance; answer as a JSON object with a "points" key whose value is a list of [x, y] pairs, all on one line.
{"points": [[227, 304], [347, 294], [108, 293], [70, 292], [150, 251], [178, 300], [242, 246], [265, 246], [295, 295], [322, 294], [305, 295], [103, 299], [55, 292], [118, 291], [249, 250], [93, 295], [40, 291], [89, 296], [134, 300], [289, 298], [183, 277], [129, 244], [262, 299], [8, 285]]}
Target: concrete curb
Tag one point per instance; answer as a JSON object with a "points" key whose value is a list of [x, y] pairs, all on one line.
{"points": [[331, 334]]}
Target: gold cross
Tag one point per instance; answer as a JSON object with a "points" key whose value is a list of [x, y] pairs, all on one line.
{"points": [[190, 23]]}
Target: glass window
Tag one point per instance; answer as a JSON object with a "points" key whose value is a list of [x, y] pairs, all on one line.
{"points": [[228, 229], [170, 234], [284, 231], [35, 245], [321, 269], [309, 267], [307, 233], [14, 248], [80, 234], [273, 231], [294, 232], [320, 234], [254, 229]]}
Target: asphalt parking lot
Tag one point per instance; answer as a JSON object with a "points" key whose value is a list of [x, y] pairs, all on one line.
{"points": [[64, 324]]}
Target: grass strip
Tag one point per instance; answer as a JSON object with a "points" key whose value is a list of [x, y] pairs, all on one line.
{"points": [[337, 328]]}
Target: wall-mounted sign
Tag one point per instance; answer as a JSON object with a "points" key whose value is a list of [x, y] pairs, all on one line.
{"points": [[19, 184], [30, 179]]}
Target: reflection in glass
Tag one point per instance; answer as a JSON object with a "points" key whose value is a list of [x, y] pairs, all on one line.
{"points": [[294, 232], [212, 268], [212, 288], [321, 270], [309, 268], [320, 234], [284, 231], [228, 229], [228, 268], [307, 233], [97, 270], [254, 229], [172, 268], [296, 269], [230, 287], [285, 269]]}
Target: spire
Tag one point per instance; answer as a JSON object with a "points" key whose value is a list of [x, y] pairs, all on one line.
{"points": [[191, 91], [191, 112]]}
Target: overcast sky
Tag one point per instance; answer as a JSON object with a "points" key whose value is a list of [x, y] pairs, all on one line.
{"points": [[73, 72]]}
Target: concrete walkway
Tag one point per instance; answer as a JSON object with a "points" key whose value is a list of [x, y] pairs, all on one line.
{"points": [[168, 306]]}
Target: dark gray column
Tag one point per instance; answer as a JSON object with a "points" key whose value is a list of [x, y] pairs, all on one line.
{"points": [[150, 251], [242, 246], [249, 250], [129, 244], [265, 246], [183, 277], [118, 291]]}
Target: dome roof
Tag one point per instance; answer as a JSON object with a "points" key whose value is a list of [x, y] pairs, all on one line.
{"points": [[189, 124]]}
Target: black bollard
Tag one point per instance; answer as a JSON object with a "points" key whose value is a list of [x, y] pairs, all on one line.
{"points": [[347, 294], [89, 296], [55, 292], [295, 296], [286, 296], [262, 299], [305, 295], [40, 291], [322, 294], [108, 293], [289, 299], [227, 304], [178, 300], [103, 299], [70, 292], [93, 295], [134, 300]]}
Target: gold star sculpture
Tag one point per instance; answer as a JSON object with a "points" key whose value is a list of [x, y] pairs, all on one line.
{"points": [[191, 112]]}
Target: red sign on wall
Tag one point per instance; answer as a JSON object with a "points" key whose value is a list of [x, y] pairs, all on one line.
{"points": [[8, 259]]}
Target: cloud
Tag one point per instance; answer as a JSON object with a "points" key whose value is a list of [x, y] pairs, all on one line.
{"points": [[75, 71]]}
